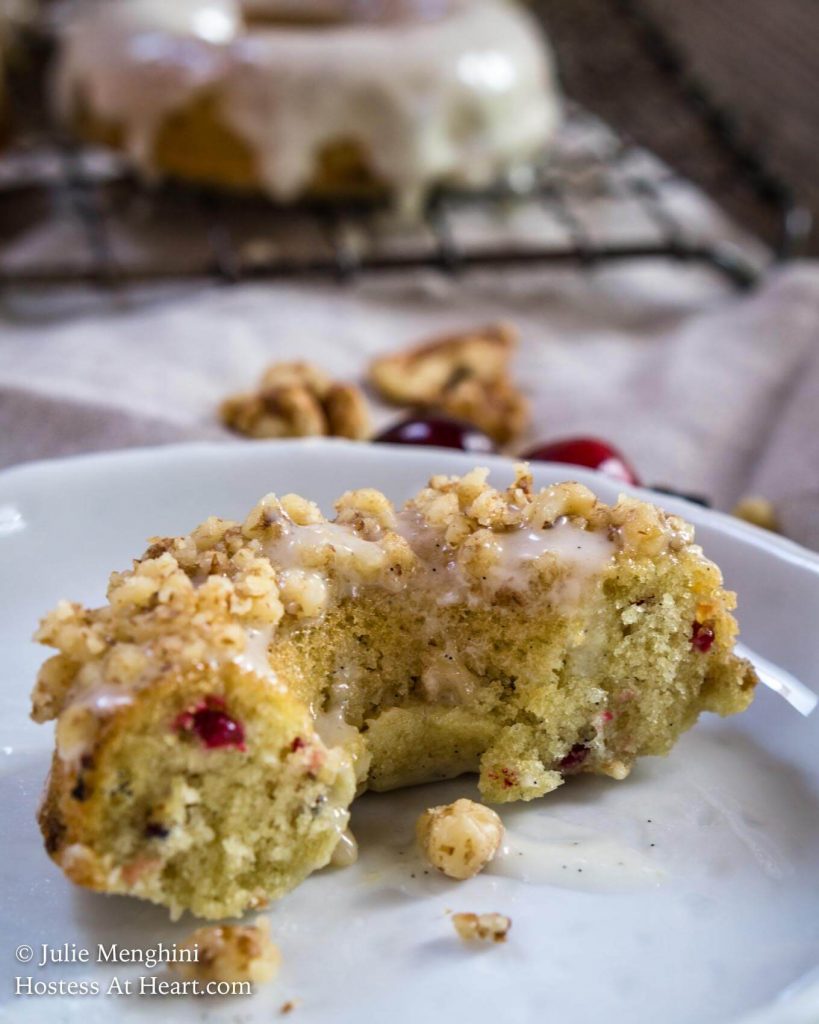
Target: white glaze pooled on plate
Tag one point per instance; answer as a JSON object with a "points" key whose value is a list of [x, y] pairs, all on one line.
{"points": [[463, 97]]}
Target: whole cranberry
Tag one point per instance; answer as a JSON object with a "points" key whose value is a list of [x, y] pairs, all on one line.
{"points": [[439, 432], [216, 729], [212, 725], [586, 451]]}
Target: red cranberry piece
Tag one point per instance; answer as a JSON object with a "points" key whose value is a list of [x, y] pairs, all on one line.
{"points": [[574, 759], [214, 727], [589, 452], [439, 432], [702, 636], [505, 776]]}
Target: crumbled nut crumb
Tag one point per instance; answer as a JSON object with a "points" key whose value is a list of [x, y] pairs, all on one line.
{"points": [[459, 839], [465, 375], [297, 400], [482, 927], [758, 511], [231, 953], [288, 1007]]}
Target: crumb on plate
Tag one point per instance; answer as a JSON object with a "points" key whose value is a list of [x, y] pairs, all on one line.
{"points": [[482, 927], [461, 838], [231, 953]]}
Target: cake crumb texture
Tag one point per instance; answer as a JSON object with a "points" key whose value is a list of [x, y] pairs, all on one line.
{"points": [[217, 716], [482, 927]]}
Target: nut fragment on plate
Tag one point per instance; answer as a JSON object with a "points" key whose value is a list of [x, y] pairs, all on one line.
{"points": [[231, 953], [758, 511], [482, 927], [459, 839], [465, 375], [298, 400]]}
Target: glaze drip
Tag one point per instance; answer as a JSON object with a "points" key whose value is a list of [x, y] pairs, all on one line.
{"points": [[464, 97]]}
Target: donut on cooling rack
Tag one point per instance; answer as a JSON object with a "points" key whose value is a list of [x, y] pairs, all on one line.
{"points": [[333, 98]]}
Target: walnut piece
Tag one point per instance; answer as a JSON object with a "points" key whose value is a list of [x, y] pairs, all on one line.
{"points": [[297, 400], [482, 927], [758, 511], [465, 375], [459, 839], [497, 408], [231, 953]]}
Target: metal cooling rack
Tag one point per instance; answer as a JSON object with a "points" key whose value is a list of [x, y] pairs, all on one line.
{"points": [[569, 211]]}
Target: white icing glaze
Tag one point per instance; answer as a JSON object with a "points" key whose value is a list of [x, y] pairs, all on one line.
{"points": [[346, 852], [554, 852], [463, 98], [106, 699], [254, 658], [587, 553], [333, 729], [293, 547], [76, 738]]}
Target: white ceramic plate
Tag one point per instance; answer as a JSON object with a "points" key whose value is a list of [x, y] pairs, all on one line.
{"points": [[689, 893]]}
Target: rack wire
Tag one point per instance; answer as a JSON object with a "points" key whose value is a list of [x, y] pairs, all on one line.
{"points": [[569, 212]]}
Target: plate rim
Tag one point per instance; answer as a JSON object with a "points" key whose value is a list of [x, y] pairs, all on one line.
{"points": [[772, 543]]}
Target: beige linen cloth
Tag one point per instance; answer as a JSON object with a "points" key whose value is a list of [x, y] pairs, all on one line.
{"points": [[707, 390]]}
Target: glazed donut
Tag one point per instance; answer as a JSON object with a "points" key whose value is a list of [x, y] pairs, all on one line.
{"points": [[328, 97], [216, 717]]}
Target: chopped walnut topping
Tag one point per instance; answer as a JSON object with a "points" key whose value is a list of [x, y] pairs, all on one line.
{"points": [[298, 400], [231, 953], [482, 927], [209, 596], [459, 839], [465, 375]]}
